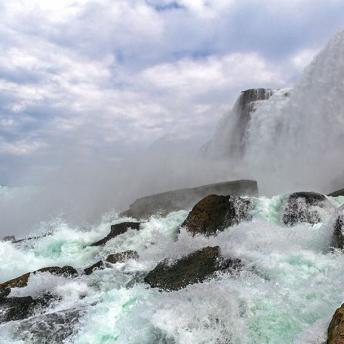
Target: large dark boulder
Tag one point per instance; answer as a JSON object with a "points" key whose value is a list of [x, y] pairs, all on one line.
{"points": [[303, 207], [215, 213], [21, 281], [116, 230], [112, 259], [335, 332], [194, 268], [166, 202]]}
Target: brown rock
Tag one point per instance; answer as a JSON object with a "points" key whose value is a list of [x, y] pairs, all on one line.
{"points": [[21, 281], [335, 332], [194, 268], [214, 213]]}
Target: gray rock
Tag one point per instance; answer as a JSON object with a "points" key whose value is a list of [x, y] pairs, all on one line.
{"points": [[166, 202], [301, 207]]}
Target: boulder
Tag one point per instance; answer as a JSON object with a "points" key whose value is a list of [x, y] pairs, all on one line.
{"points": [[18, 308], [21, 281], [337, 193], [166, 202], [194, 268], [303, 207], [116, 230], [112, 259], [215, 213], [335, 332]]}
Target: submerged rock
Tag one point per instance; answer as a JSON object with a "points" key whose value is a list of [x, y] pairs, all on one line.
{"points": [[116, 230], [215, 213], [112, 259], [167, 202], [335, 332], [52, 328], [303, 207], [21, 281], [18, 308], [194, 268]]}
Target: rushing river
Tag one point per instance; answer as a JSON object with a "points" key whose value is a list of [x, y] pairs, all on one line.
{"points": [[287, 292]]}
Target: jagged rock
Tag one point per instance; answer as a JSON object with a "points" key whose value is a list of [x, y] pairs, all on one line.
{"points": [[116, 230], [167, 202], [305, 207], [21, 281], [338, 233], [337, 193], [194, 268], [215, 213], [113, 259], [335, 332]]}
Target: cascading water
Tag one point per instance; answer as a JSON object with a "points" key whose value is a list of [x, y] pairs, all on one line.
{"points": [[287, 292], [296, 140]]}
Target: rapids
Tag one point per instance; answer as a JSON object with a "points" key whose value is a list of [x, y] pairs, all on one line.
{"points": [[287, 292]]}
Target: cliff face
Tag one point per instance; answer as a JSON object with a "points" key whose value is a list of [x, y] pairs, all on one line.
{"points": [[230, 137]]}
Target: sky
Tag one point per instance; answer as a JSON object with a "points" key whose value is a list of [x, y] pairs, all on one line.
{"points": [[104, 79]]}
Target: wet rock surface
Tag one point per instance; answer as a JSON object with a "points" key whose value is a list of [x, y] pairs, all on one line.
{"points": [[18, 308], [21, 281], [215, 213], [337, 193], [301, 207], [166, 202], [116, 230], [194, 268], [112, 259], [335, 332]]}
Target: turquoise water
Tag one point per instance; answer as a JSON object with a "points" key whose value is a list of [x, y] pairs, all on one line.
{"points": [[287, 292]]}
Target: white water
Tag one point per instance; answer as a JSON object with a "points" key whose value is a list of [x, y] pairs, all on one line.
{"points": [[296, 142], [287, 292]]}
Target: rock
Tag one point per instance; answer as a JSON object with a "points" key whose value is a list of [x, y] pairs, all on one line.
{"points": [[335, 332], [96, 266], [167, 202], [194, 268], [22, 280], [116, 230], [215, 213], [10, 238], [122, 257], [338, 233], [18, 308], [4, 292], [303, 207], [337, 193], [112, 259]]}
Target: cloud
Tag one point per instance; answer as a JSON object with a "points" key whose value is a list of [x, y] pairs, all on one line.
{"points": [[101, 77]]}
